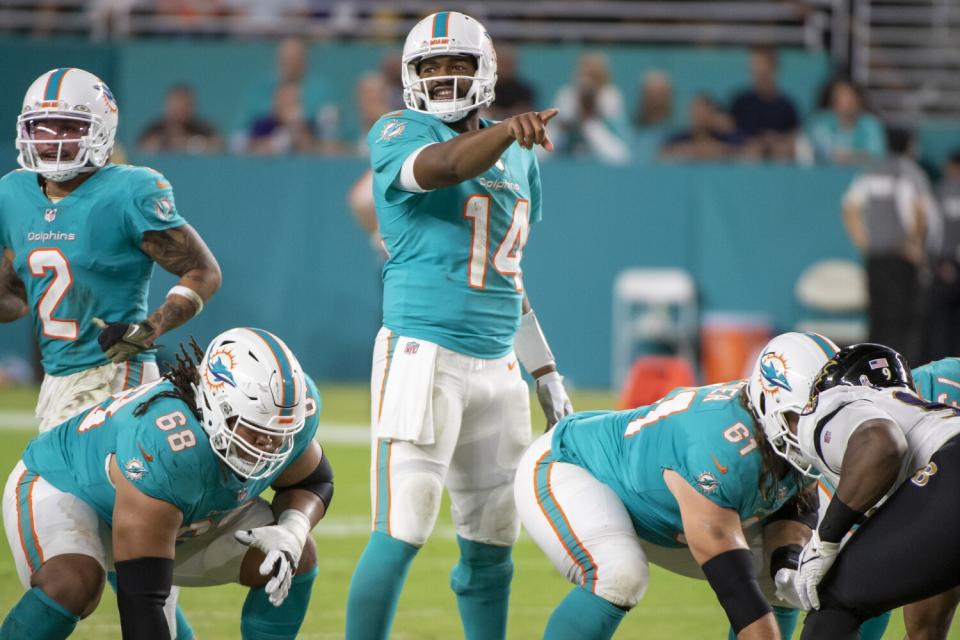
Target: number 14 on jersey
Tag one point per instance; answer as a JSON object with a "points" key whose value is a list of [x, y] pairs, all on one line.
{"points": [[506, 256]]}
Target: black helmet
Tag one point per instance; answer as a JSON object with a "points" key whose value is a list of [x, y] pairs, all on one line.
{"points": [[865, 364]]}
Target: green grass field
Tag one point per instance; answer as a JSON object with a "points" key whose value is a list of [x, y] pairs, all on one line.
{"points": [[674, 607]]}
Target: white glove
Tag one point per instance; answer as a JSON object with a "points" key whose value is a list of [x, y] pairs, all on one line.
{"points": [[786, 581], [815, 561], [553, 397], [283, 544]]}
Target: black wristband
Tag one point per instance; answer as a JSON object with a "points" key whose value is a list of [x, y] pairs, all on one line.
{"points": [[143, 585], [732, 578], [837, 521], [785, 557]]}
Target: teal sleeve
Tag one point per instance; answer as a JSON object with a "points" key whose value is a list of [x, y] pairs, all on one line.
{"points": [[939, 381], [536, 191], [714, 475], [151, 206], [148, 461], [391, 141]]}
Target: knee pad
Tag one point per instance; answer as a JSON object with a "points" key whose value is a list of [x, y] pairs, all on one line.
{"points": [[622, 583], [416, 504]]}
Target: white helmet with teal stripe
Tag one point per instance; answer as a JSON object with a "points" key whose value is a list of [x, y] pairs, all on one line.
{"points": [[780, 383], [448, 33], [67, 125], [252, 400]]}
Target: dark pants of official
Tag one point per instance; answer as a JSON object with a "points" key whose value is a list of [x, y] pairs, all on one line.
{"points": [[908, 551], [896, 305], [942, 337]]}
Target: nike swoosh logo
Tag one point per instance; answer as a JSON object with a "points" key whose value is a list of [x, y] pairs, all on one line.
{"points": [[146, 456], [720, 467], [511, 365], [162, 185]]}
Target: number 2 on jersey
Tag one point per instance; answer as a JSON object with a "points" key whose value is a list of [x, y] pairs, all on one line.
{"points": [[40, 261], [506, 258]]}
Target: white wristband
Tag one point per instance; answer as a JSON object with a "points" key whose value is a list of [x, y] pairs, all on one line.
{"points": [[297, 523], [189, 294], [530, 344]]}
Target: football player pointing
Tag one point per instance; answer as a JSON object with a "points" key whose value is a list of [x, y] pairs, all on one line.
{"points": [[80, 239], [455, 195], [186, 458]]}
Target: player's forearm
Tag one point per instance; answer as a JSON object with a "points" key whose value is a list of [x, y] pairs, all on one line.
{"points": [[13, 294], [186, 299], [764, 628], [301, 500], [462, 158]]}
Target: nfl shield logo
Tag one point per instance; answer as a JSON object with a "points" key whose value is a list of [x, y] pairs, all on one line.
{"points": [[50, 215], [411, 348]]}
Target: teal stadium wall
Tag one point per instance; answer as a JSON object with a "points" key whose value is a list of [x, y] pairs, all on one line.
{"points": [[295, 262]]}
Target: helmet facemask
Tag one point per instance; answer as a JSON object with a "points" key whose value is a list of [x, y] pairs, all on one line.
{"points": [[90, 144], [784, 441], [416, 91]]}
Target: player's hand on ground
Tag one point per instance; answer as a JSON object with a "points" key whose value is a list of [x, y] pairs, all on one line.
{"points": [[282, 549], [530, 128], [815, 561], [786, 581], [120, 341], [553, 398]]}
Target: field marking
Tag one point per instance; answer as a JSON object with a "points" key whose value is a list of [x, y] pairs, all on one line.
{"points": [[333, 433]]}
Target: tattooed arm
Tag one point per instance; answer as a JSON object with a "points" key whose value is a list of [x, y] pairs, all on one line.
{"points": [[13, 295], [182, 252]]}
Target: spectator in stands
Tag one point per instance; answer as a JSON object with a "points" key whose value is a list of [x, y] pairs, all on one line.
{"points": [[592, 120], [885, 216], [514, 95], [710, 136], [179, 129], [372, 98], [316, 99], [390, 66], [846, 133], [655, 104], [944, 320], [762, 113], [654, 115], [257, 17], [286, 128]]}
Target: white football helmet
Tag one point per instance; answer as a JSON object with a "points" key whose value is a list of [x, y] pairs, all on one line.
{"points": [[249, 378], [67, 94], [781, 381], [448, 33]]}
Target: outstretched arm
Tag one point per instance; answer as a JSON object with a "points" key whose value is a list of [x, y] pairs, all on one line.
{"points": [[13, 295], [470, 154], [718, 545]]}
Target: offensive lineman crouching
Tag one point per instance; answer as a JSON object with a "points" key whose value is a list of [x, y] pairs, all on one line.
{"points": [[174, 468]]}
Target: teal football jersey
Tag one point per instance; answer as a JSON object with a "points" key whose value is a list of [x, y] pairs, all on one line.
{"points": [[704, 434], [165, 453], [453, 274], [80, 258], [939, 381]]}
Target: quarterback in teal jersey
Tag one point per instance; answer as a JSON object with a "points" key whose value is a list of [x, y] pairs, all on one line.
{"points": [[692, 482], [455, 196], [80, 237], [162, 482]]}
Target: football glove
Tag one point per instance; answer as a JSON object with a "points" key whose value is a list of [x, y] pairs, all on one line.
{"points": [[120, 341], [282, 543], [786, 581], [815, 561], [553, 398]]}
